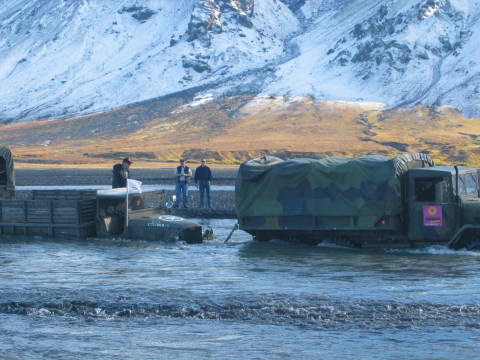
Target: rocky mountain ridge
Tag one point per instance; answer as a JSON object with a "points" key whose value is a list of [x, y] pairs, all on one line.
{"points": [[63, 58]]}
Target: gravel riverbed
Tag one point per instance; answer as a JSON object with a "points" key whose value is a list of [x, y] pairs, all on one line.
{"points": [[62, 177]]}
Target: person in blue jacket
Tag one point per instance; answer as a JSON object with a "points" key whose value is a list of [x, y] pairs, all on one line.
{"points": [[203, 176]]}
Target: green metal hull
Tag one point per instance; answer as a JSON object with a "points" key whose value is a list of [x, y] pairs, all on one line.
{"points": [[151, 225]]}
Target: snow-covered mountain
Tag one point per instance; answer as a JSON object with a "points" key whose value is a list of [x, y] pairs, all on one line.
{"points": [[61, 58]]}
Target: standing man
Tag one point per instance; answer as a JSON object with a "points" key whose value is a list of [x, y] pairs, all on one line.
{"points": [[203, 176], [121, 173], [182, 173]]}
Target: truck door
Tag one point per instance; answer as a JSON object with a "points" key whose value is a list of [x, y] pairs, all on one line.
{"points": [[431, 208]]}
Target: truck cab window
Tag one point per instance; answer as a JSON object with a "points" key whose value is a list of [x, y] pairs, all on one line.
{"points": [[425, 189]]}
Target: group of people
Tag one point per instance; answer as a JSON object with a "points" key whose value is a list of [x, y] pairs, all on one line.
{"points": [[182, 173]]}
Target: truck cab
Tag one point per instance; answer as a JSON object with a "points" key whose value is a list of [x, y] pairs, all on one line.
{"points": [[442, 202]]}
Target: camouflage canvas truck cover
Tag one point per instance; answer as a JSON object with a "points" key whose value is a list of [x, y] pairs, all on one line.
{"points": [[7, 174], [344, 200]]}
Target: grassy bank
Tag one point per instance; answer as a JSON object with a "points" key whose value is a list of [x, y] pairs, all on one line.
{"points": [[228, 131]]}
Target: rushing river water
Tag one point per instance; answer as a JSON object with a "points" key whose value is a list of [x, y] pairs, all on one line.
{"points": [[120, 299]]}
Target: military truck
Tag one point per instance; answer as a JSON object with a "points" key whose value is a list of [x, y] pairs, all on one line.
{"points": [[7, 174], [405, 201]]}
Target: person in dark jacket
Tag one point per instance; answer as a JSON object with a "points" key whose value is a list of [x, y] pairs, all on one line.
{"points": [[182, 174], [203, 176], [121, 173]]}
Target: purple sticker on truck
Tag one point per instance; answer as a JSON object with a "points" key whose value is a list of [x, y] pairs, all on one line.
{"points": [[432, 215]]}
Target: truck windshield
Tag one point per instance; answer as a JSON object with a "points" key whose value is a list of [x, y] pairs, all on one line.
{"points": [[468, 184]]}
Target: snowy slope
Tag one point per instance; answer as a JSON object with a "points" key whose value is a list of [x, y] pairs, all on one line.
{"points": [[60, 58], [65, 57], [397, 52]]}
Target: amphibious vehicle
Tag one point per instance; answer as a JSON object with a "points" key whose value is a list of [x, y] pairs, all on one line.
{"points": [[141, 222], [76, 214]]}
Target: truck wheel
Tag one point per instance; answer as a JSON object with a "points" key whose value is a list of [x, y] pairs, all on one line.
{"points": [[473, 245]]}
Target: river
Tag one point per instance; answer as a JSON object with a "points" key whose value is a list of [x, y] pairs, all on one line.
{"points": [[121, 299]]}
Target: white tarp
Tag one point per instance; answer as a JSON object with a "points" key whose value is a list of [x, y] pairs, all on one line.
{"points": [[134, 186]]}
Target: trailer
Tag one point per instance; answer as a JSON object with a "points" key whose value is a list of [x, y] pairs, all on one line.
{"points": [[53, 218]]}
